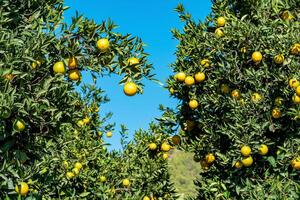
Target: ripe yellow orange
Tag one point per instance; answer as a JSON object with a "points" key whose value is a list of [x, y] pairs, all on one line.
{"points": [[193, 104], [22, 189], [279, 59], [295, 50], [70, 175], [263, 150], [126, 182], [165, 156], [130, 89], [78, 165], [176, 139], [19, 125], [298, 90], [294, 83], [224, 88], [152, 146], [146, 198], [296, 164], [221, 21], [205, 63], [75, 171], [74, 75], [102, 179], [276, 113], [278, 101], [103, 44], [256, 97], [73, 64], [180, 76], [210, 158], [59, 68], [248, 161], [189, 80], [165, 147], [200, 77], [87, 120], [238, 164], [236, 94], [171, 90], [80, 123], [109, 134], [257, 57], [133, 61], [245, 151], [219, 32], [296, 99]]}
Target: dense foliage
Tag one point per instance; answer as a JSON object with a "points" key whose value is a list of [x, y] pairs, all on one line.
{"points": [[237, 78]]}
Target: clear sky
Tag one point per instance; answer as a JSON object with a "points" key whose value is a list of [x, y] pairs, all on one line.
{"points": [[152, 21]]}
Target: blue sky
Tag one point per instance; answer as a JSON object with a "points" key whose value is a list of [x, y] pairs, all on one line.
{"points": [[152, 21]]}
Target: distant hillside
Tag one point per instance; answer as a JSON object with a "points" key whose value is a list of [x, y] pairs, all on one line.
{"points": [[184, 170]]}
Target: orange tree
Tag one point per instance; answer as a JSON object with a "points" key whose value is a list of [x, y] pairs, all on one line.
{"points": [[237, 79], [51, 143]]}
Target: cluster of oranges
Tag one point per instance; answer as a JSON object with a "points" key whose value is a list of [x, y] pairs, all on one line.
{"points": [[208, 160], [247, 161], [75, 171], [103, 45], [84, 121], [295, 84], [165, 147]]}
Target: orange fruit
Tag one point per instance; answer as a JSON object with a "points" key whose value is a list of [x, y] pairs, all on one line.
{"points": [[295, 50], [257, 57], [152, 146], [109, 134], [296, 99], [165, 156], [246, 151], [189, 80], [74, 75], [180, 76], [126, 182], [22, 189], [193, 104], [133, 61], [248, 161], [146, 198], [165, 147], [279, 59], [200, 77], [78, 165], [73, 64], [294, 83], [130, 89], [238, 164], [102, 179], [70, 175], [75, 171], [205, 63], [295, 164], [236, 94], [298, 90], [276, 113], [59, 68], [103, 44], [263, 150], [219, 33], [19, 125], [210, 158], [221, 21], [256, 97]]}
